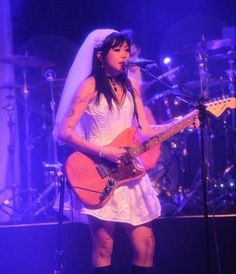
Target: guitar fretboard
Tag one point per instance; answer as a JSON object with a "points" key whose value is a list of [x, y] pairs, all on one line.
{"points": [[175, 127]]}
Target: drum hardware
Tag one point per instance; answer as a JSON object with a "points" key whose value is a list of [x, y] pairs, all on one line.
{"points": [[231, 72], [229, 55], [169, 105], [211, 83], [204, 83], [205, 45], [170, 74], [10, 86], [46, 199], [57, 83], [9, 205], [43, 202], [204, 175], [167, 176], [24, 62]]}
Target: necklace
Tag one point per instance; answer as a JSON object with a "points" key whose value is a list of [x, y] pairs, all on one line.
{"points": [[113, 81]]}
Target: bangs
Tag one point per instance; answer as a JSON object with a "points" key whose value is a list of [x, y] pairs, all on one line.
{"points": [[120, 40], [113, 40]]}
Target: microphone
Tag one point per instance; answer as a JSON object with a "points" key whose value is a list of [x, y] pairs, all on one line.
{"points": [[141, 63]]}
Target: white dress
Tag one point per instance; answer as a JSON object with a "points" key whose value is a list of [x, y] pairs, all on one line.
{"points": [[135, 202]]}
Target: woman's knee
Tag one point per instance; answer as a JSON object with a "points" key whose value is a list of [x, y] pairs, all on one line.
{"points": [[143, 242], [103, 247], [102, 239], [144, 248]]}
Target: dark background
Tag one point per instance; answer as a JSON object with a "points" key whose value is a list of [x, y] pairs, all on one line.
{"points": [[160, 25]]}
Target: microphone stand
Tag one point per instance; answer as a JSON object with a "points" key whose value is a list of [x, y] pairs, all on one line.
{"points": [[202, 58], [59, 246]]}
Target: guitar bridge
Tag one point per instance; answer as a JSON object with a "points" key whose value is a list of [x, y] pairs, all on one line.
{"points": [[108, 188]]}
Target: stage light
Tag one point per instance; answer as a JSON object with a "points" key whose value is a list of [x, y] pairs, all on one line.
{"points": [[167, 60]]}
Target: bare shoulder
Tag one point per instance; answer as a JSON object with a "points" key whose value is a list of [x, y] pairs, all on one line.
{"points": [[87, 89]]}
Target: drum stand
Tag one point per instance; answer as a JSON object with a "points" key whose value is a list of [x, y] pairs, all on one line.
{"points": [[56, 180], [52, 166], [6, 206], [30, 192], [231, 72]]}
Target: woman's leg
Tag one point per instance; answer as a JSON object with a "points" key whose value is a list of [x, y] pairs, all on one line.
{"points": [[143, 244], [102, 233]]}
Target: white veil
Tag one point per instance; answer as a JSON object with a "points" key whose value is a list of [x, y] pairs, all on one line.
{"points": [[79, 71]]}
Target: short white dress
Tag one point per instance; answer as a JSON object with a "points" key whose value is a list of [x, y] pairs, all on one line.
{"points": [[135, 202]]}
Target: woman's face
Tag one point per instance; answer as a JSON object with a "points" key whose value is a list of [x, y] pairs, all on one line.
{"points": [[114, 61]]}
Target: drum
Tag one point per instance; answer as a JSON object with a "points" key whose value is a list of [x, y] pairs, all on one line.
{"points": [[165, 176], [165, 106]]}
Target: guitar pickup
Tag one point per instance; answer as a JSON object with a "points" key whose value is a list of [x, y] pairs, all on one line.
{"points": [[126, 160], [102, 170]]}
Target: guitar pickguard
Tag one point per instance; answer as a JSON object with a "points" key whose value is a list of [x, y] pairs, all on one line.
{"points": [[126, 170]]}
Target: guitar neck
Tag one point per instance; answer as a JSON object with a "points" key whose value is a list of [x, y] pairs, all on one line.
{"points": [[175, 127]]}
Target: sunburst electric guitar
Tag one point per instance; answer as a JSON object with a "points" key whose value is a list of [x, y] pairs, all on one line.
{"points": [[94, 179]]}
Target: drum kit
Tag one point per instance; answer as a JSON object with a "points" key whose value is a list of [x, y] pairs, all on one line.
{"points": [[177, 175], [176, 168], [27, 202]]}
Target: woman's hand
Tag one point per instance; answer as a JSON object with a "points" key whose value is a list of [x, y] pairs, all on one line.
{"points": [[196, 123], [112, 153]]}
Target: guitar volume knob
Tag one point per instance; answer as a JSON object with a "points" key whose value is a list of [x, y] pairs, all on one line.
{"points": [[134, 171]]}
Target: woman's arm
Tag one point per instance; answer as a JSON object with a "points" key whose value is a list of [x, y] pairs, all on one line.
{"points": [[85, 93], [147, 122]]}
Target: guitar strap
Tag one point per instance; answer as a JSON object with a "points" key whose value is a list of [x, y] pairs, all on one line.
{"points": [[131, 90]]}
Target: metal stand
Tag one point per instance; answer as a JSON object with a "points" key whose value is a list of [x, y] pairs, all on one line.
{"points": [[204, 133], [205, 150], [7, 206], [52, 165], [28, 142], [59, 248]]}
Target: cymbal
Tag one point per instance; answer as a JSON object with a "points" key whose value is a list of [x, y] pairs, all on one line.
{"points": [[159, 95], [211, 83], [230, 55], [56, 83], [206, 45], [26, 61], [10, 86]]}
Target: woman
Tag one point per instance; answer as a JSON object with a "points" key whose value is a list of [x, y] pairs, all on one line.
{"points": [[98, 103]]}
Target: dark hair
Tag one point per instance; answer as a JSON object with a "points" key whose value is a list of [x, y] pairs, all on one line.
{"points": [[102, 83]]}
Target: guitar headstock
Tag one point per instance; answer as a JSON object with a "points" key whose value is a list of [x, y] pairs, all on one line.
{"points": [[219, 106]]}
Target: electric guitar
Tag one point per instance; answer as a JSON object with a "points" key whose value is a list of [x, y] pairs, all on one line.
{"points": [[94, 179]]}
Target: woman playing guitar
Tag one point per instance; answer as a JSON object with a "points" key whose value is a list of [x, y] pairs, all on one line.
{"points": [[99, 103]]}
